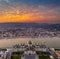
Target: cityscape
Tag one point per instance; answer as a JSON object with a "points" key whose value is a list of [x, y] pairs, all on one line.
{"points": [[28, 32], [29, 50], [29, 42], [29, 29]]}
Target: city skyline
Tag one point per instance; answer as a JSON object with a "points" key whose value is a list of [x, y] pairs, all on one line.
{"points": [[36, 11]]}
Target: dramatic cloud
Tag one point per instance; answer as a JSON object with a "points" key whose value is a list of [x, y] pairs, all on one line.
{"points": [[30, 11]]}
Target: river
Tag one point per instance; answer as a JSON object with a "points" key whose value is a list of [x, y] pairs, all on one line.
{"points": [[50, 42]]}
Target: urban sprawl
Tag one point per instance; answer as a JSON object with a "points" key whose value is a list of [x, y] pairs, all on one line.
{"points": [[28, 32]]}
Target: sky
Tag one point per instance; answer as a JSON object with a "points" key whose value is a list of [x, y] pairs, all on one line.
{"points": [[36, 11]]}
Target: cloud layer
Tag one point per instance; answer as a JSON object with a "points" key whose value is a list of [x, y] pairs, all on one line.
{"points": [[42, 11]]}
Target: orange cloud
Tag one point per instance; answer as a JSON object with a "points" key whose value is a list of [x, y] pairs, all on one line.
{"points": [[29, 17], [45, 16]]}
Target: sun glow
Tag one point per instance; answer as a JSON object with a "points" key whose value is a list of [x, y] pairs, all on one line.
{"points": [[18, 16], [28, 17]]}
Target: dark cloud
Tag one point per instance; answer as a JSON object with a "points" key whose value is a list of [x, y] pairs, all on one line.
{"points": [[57, 2]]}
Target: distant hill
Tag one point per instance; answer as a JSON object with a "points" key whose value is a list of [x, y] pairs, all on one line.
{"points": [[28, 25]]}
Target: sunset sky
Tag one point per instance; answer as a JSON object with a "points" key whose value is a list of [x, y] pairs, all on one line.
{"points": [[37, 11]]}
